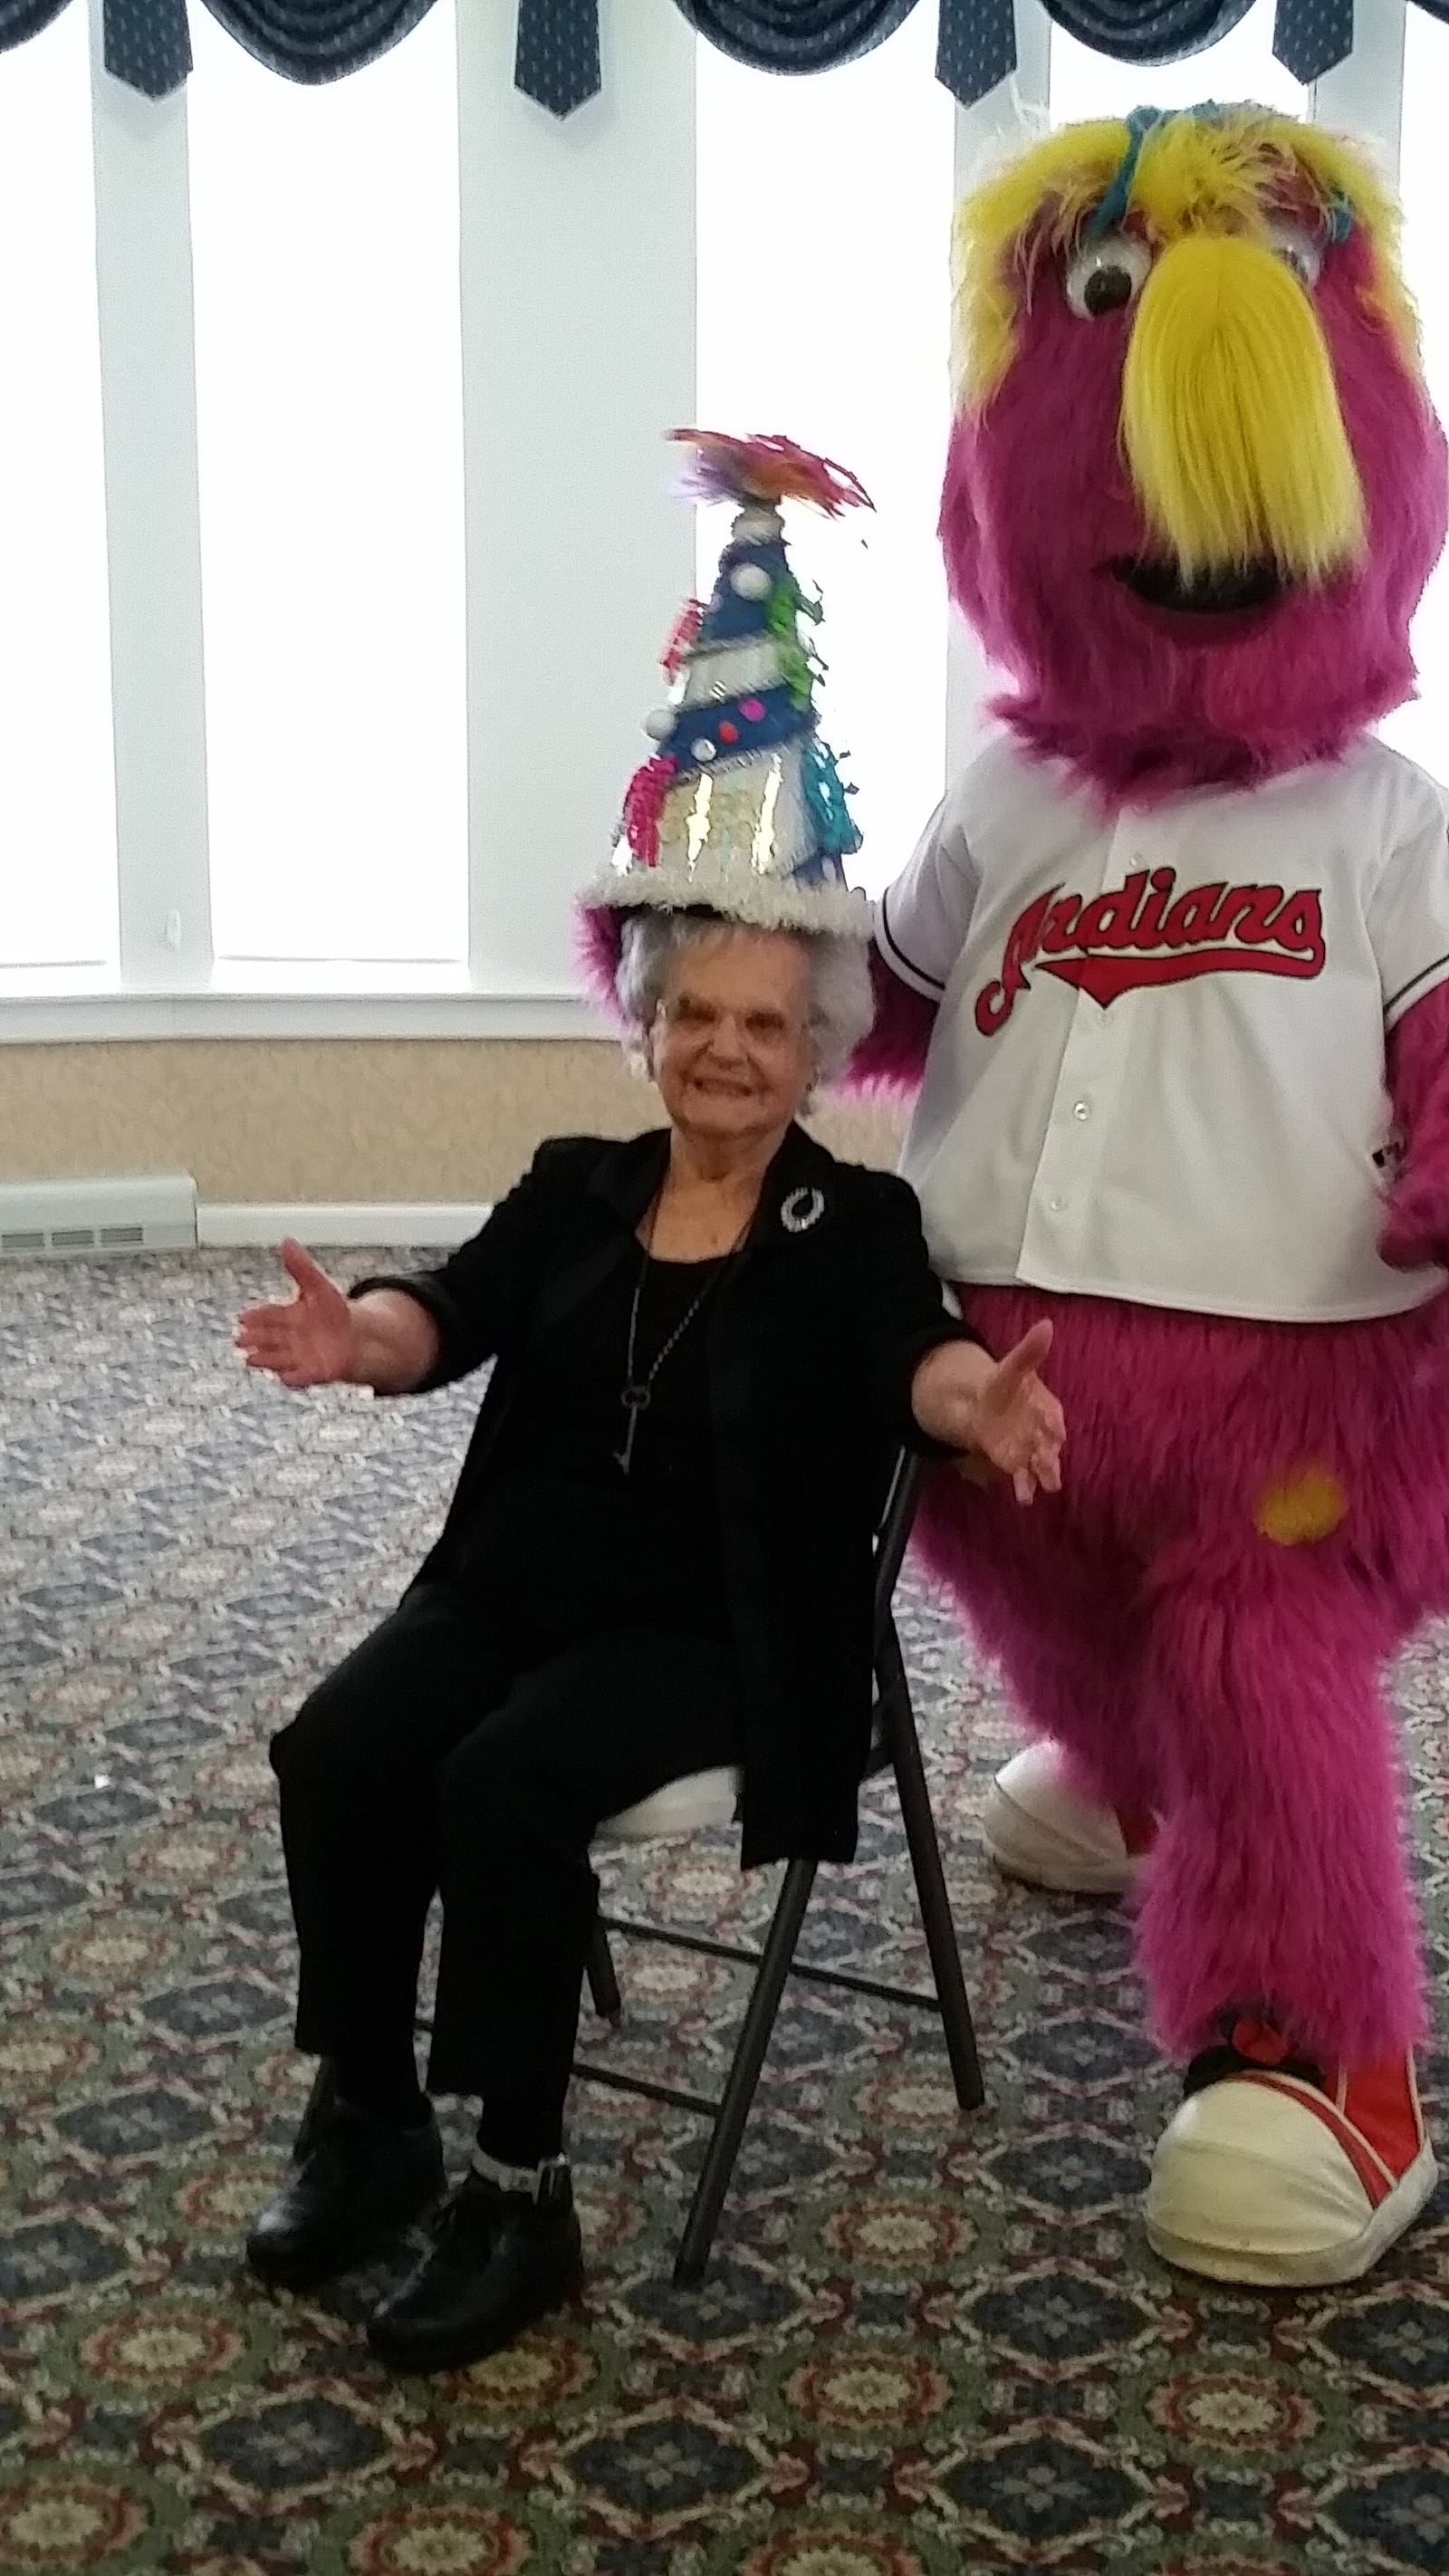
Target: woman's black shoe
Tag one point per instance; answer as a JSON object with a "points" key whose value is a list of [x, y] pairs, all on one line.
{"points": [[356, 2182], [499, 2260]]}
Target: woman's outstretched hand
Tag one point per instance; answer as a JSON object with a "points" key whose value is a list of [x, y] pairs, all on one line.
{"points": [[310, 1341], [997, 1410], [1018, 1423]]}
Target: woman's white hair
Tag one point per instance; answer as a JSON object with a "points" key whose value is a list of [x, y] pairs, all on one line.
{"points": [[842, 1005]]}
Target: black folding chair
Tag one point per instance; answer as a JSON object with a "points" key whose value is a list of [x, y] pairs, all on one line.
{"points": [[895, 1747]]}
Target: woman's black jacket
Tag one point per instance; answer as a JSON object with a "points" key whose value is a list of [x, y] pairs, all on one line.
{"points": [[814, 1335]]}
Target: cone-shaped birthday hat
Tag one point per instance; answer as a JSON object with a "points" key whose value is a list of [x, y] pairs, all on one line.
{"points": [[741, 809]]}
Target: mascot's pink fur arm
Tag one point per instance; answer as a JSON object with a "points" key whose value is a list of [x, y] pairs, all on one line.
{"points": [[1416, 1226], [599, 933], [893, 1056]]}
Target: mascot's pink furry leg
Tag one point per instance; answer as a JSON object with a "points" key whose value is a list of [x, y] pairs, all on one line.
{"points": [[1190, 1661], [1279, 1877], [1235, 1693], [1190, 1649], [1059, 1615]]}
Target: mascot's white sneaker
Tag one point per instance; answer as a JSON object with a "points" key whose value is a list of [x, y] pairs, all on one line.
{"points": [[1035, 1827], [1274, 2175]]}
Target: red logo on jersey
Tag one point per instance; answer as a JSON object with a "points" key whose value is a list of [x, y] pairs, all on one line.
{"points": [[1145, 932]]}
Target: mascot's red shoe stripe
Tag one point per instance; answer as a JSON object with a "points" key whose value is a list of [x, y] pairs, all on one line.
{"points": [[1383, 2104], [1376, 2177]]}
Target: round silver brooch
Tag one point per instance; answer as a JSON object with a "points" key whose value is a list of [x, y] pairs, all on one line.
{"points": [[801, 1210]]}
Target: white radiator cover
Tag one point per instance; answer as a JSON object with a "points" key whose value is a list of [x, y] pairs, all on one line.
{"points": [[155, 1212], [333, 1223]]}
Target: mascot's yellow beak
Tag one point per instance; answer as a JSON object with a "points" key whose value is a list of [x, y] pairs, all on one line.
{"points": [[1230, 417]]}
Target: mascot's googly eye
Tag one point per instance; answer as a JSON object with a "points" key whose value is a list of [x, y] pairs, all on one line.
{"points": [[1299, 250], [1106, 276]]}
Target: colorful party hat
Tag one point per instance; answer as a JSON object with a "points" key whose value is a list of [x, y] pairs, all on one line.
{"points": [[742, 810]]}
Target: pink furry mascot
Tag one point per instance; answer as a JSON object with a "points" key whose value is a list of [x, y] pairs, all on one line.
{"points": [[1172, 967]]}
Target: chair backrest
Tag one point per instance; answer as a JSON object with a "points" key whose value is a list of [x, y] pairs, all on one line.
{"points": [[893, 1535], [890, 1547]]}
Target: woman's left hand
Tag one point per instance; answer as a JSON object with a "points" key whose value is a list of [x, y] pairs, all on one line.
{"points": [[998, 1409], [1018, 1423]]}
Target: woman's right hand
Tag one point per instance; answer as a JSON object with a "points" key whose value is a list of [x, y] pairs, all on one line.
{"points": [[310, 1341]]}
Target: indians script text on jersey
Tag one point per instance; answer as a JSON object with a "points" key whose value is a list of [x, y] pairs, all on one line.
{"points": [[1145, 932]]}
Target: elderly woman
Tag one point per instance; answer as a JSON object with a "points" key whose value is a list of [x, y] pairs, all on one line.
{"points": [[709, 1344]]}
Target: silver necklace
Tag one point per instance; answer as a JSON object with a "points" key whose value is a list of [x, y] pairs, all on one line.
{"points": [[636, 1392]]}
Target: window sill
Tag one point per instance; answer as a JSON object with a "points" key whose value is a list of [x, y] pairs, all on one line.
{"points": [[31, 1015]]}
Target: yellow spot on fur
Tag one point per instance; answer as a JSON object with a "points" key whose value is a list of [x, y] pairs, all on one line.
{"points": [[1236, 175], [1299, 1509]]}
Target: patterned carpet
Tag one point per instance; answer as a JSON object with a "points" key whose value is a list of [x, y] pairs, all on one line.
{"points": [[926, 2343]]}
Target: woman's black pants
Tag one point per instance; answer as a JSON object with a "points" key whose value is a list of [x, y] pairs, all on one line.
{"points": [[448, 1755]]}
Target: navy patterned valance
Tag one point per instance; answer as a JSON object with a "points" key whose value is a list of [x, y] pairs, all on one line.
{"points": [[976, 39], [147, 43], [22, 18]]}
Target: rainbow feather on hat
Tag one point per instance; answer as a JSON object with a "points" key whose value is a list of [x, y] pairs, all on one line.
{"points": [[769, 470], [741, 810]]}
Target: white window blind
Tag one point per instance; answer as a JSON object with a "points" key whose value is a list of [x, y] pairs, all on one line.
{"points": [[1422, 729], [57, 791], [824, 212], [321, 225], [329, 416]]}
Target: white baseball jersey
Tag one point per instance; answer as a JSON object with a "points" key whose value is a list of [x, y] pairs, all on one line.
{"points": [[1158, 1069]]}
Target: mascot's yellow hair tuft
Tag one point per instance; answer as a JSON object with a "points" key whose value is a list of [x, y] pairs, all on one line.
{"points": [[1237, 172], [1230, 419]]}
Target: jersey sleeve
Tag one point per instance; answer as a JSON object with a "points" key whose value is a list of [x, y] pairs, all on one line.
{"points": [[921, 921], [1408, 910]]}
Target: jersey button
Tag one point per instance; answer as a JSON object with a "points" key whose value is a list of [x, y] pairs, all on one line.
{"points": [[1082, 1109], [1057, 1206]]}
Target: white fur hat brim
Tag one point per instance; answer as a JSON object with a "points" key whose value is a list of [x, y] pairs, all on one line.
{"points": [[756, 902]]}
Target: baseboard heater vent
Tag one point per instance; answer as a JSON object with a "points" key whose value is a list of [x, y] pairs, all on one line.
{"points": [[94, 1218]]}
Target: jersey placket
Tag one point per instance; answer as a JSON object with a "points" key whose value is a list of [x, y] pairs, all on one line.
{"points": [[1056, 1240]]}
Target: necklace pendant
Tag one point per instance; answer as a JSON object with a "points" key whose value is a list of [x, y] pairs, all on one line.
{"points": [[634, 1399]]}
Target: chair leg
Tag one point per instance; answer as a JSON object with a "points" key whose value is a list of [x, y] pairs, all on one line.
{"points": [[935, 1905], [744, 2074], [603, 1984]]}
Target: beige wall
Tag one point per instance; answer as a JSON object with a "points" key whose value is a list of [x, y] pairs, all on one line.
{"points": [[333, 1119]]}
